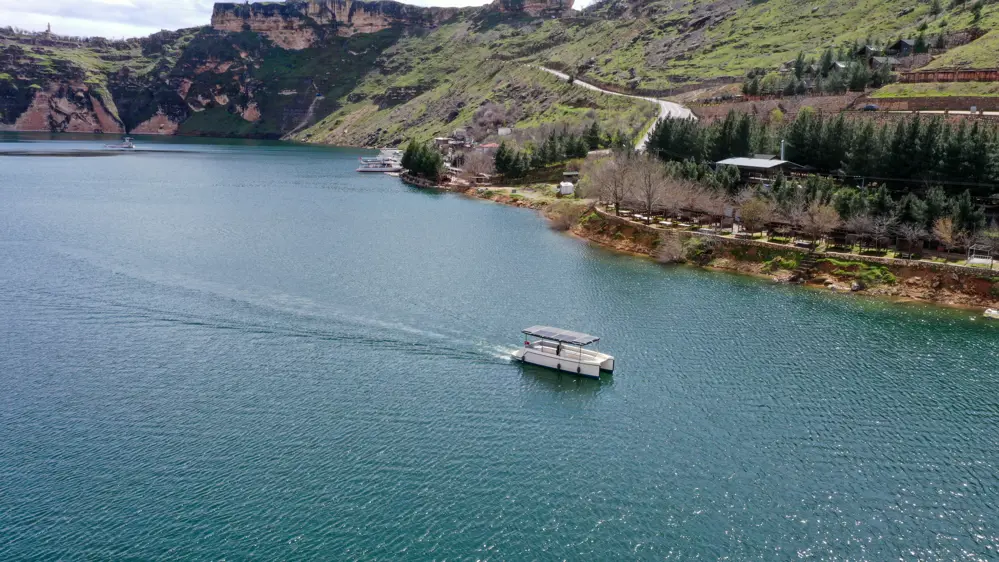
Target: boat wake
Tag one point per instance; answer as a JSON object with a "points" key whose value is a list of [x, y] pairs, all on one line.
{"points": [[212, 305]]}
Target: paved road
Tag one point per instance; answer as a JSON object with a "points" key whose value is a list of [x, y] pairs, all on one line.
{"points": [[666, 108], [942, 112]]}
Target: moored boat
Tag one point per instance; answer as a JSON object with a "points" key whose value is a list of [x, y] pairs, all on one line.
{"points": [[383, 166], [125, 144], [992, 313], [564, 350]]}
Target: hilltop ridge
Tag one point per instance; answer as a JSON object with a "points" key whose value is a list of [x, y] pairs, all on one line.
{"points": [[371, 72]]}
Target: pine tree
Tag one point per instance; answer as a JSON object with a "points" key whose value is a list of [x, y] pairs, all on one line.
{"points": [[799, 66], [826, 62], [865, 152], [936, 205], [593, 137], [968, 217], [910, 209], [836, 143], [502, 160], [880, 202]]}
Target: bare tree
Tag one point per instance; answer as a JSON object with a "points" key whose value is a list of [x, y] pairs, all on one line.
{"points": [[679, 194], [649, 183], [882, 229], [478, 163], [912, 234], [943, 231], [609, 181], [861, 225], [819, 220], [756, 213]]}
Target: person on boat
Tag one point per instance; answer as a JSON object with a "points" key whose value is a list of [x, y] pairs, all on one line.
{"points": [[558, 349]]}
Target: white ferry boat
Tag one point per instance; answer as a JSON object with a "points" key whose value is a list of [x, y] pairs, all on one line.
{"points": [[125, 144], [389, 160], [384, 166], [563, 350]]}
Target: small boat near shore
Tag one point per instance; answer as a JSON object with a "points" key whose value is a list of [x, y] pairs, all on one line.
{"points": [[382, 166], [125, 144], [992, 313], [564, 350], [389, 160]]}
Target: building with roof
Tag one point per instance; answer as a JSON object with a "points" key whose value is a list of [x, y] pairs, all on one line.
{"points": [[902, 48], [759, 168], [891, 62]]}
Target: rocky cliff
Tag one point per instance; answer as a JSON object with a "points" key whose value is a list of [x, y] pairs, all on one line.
{"points": [[300, 25]]}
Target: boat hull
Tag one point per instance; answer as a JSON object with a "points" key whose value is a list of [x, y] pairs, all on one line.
{"points": [[380, 170], [570, 362]]}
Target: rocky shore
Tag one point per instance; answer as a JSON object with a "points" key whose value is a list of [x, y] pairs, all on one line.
{"points": [[939, 283]]}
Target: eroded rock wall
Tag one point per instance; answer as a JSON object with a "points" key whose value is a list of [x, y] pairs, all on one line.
{"points": [[300, 25]]}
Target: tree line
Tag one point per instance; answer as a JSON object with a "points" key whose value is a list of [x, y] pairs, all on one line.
{"points": [[557, 147], [911, 152], [423, 160], [813, 206]]}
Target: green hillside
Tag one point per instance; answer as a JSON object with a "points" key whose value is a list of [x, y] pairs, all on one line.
{"points": [[983, 53], [452, 73], [408, 80]]}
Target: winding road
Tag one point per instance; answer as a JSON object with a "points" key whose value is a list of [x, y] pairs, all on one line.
{"points": [[666, 108]]}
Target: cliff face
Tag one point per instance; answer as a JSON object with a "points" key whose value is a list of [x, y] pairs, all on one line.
{"points": [[300, 25], [30, 101], [536, 8]]}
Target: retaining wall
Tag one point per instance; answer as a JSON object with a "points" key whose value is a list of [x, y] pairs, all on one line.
{"points": [[738, 242]]}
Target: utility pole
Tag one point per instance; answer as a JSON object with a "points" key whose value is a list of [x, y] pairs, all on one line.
{"points": [[781, 149]]}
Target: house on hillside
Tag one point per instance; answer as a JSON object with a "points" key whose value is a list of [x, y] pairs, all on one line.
{"points": [[759, 169], [891, 62], [902, 48], [865, 52]]}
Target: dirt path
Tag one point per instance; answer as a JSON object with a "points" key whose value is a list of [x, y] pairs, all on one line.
{"points": [[666, 108]]}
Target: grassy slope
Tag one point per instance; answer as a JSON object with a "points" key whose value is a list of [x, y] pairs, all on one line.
{"points": [[482, 56], [982, 53], [662, 53], [943, 89], [96, 62], [456, 68]]}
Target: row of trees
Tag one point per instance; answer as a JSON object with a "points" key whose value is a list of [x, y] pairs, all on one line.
{"points": [[912, 151], [856, 77], [423, 160], [814, 206], [557, 147]]}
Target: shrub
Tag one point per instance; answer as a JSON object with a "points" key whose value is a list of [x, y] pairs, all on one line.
{"points": [[669, 249], [565, 214], [698, 250]]}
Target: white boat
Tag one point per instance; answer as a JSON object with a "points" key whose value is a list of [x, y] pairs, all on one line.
{"points": [[385, 154], [564, 350], [992, 313], [125, 144], [383, 166]]}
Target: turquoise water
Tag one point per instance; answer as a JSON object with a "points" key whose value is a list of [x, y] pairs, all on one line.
{"points": [[247, 350]]}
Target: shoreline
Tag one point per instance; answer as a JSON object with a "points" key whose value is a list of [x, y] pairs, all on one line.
{"points": [[913, 282]]}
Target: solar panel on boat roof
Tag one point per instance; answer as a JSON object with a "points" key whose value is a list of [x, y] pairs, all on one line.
{"points": [[564, 336]]}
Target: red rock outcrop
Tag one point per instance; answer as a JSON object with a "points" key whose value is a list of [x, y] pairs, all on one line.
{"points": [[69, 109], [535, 8], [298, 25]]}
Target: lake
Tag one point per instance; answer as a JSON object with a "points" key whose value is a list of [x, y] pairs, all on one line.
{"points": [[234, 349]]}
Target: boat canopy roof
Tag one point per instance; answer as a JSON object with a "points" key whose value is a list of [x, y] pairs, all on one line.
{"points": [[560, 335]]}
